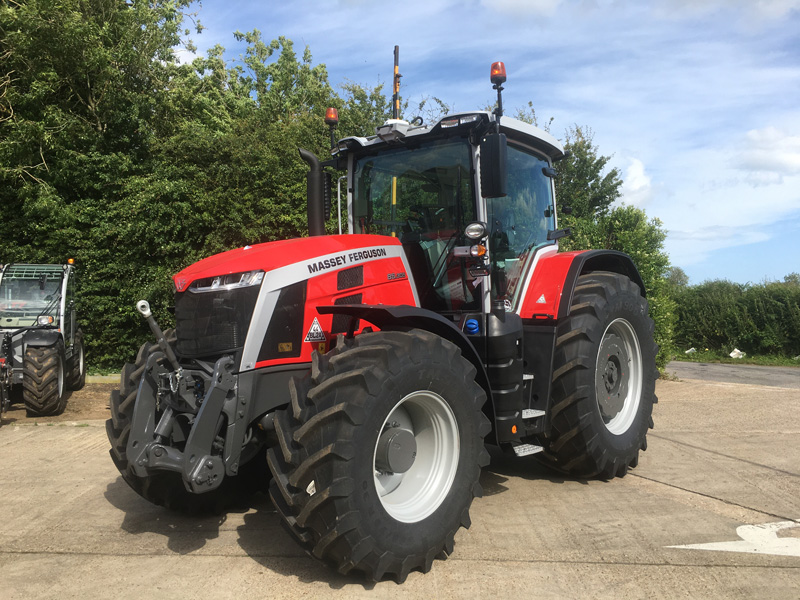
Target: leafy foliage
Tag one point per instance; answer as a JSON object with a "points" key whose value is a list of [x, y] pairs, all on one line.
{"points": [[136, 166], [759, 319], [113, 153]]}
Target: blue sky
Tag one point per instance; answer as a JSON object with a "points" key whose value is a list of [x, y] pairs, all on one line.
{"points": [[696, 101]]}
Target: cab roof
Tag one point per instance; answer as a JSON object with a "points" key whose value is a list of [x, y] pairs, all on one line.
{"points": [[395, 132]]}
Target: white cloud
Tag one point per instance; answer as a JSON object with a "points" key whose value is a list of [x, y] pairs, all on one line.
{"points": [[544, 8], [693, 246], [636, 187], [769, 154], [758, 9]]}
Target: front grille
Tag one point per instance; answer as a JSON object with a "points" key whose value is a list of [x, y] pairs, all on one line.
{"points": [[350, 278], [341, 323], [213, 323]]}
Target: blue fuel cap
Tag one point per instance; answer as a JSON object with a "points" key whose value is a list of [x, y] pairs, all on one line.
{"points": [[472, 326]]}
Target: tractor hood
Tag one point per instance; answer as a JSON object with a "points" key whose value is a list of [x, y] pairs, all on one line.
{"points": [[275, 255]]}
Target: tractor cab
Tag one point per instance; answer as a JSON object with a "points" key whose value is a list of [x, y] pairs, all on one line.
{"points": [[467, 246]]}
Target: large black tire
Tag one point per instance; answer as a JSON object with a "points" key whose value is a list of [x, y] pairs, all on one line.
{"points": [[166, 488], [380, 453], [44, 380], [77, 371], [604, 376]]}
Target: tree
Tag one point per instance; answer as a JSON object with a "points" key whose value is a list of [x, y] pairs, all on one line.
{"points": [[114, 154], [677, 280], [582, 184], [596, 222]]}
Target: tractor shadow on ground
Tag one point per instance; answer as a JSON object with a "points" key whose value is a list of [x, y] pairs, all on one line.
{"points": [[260, 536], [185, 533], [18, 414], [505, 465], [264, 539]]}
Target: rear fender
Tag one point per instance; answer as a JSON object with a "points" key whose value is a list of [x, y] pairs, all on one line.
{"points": [[549, 295]]}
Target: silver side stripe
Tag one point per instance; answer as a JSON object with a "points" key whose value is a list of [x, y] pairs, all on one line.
{"points": [[278, 279]]}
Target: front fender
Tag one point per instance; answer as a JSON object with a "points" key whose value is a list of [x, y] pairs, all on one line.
{"points": [[406, 317], [39, 338]]}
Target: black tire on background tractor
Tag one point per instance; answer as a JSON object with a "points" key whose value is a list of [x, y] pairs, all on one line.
{"points": [[77, 371], [380, 453], [604, 376], [166, 488], [44, 380]]}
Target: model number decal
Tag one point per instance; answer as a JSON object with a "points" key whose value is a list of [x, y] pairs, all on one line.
{"points": [[393, 276], [345, 259]]}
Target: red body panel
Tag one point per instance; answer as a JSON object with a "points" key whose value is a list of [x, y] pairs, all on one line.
{"points": [[322, 291], [274, 255], [317, 261], [545, 291]]}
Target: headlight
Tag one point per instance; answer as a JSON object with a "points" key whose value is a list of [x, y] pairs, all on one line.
{"points": [[475, 230], [45, 320], [228, 282]]}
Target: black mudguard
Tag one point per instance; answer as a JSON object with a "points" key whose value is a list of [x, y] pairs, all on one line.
{"points": [[597, 260], [404, 317], [40, 338]]}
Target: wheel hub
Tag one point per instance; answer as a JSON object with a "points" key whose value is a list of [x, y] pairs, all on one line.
{"points": [[612, 377], [396, 450]]}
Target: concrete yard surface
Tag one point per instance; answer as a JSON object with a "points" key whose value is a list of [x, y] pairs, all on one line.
{"points": [[721, 475]]}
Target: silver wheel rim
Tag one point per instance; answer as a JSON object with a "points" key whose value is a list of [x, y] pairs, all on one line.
{"points": [[415, 494], [60, 377], [619, 376]]}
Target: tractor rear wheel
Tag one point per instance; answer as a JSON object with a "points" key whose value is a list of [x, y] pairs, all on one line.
{"points": [[44, 380], [604, 376], [166, 488], [379, 453]]}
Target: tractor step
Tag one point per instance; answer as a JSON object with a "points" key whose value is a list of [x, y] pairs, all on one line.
{"points": [[527, 449], [531, 413]]}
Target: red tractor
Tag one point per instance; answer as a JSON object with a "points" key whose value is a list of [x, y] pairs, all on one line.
{"points": [[359, 376]]}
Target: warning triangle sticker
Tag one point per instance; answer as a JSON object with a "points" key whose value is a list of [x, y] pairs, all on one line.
{"points": [[541, 300], [315, 334]]}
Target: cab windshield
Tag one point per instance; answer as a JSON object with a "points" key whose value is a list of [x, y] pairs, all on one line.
{"points": [[425, 197], [27, 293], [519, 222]]}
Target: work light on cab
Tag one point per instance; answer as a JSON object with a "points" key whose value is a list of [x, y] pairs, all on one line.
{"points": [[475, 230]]}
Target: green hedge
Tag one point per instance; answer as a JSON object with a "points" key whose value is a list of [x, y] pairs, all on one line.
{"points": [[757, 319]]}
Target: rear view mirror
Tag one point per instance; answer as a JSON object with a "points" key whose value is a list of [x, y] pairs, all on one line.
{"points": [[494, 151]]}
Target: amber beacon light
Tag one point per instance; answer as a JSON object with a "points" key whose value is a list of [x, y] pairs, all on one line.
{"points": [[498, 75]]}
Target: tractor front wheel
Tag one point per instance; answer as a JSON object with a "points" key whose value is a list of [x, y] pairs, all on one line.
{"points": [[77, 375], [43, 380], [380, 452], [604, 376]]}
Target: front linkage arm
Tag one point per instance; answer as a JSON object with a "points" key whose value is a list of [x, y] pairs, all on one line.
{"points": [[166, 394]]}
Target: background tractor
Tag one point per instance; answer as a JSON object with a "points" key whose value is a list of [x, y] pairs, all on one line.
{"points": [[361, 375], [41, 344]]}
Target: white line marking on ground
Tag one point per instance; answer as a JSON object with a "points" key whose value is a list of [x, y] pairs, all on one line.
{"points": [[757, 539]]}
